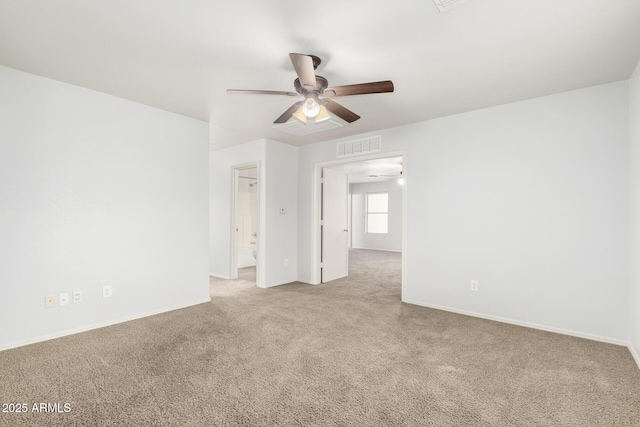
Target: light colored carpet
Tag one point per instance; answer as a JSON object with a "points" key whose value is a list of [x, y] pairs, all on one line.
{"points": [[347, 353]]}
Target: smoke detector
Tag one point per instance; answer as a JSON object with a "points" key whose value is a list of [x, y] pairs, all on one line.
{"points": [[444, 5]]}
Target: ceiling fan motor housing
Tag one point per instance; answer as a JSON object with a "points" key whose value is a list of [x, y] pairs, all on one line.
{"points": [[321, 85], [316, 61]]}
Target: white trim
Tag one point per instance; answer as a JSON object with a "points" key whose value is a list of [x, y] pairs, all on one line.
{"points": [[316, 194], [303, 282], [219, 276], [525, 324], [635, 354], [263, 286], [405, 246], [375, 249], [99, 325], [233, 252], [235, 171]]}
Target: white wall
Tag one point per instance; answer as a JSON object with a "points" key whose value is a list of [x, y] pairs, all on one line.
{"points": [[392, 241], [278, 232], [530, 199], [96, 190], [634, 196], [282, 229]]}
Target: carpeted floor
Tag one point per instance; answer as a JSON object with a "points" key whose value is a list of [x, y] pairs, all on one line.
{"points": [[348, 353]]}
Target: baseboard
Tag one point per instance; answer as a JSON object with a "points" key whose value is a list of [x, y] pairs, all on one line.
{"points": [[98, 325], [306, 282], [265, 286], [635, 354], [525, 324], [374, 249], [219, 276]]}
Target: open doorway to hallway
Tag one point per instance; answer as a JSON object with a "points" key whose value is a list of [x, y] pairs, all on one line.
{"points": [[375, 201], [361, 205]]}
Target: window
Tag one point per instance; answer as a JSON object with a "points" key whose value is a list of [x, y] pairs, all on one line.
{"points": [[377, 213]]}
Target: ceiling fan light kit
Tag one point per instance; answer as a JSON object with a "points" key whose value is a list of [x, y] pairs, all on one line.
{"points": [[310, 108], [317, 103], [322, 115], [299, 114], [444, 5]]}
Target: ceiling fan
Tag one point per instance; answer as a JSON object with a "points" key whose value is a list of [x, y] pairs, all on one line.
{"points": [[390, 177], [317, 94]]}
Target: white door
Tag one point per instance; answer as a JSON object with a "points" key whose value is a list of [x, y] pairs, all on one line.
{"points": [[335, 233]]}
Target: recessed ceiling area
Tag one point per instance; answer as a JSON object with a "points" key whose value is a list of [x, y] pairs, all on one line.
{"points": [[295, 127], [182, 56], [375, 170]]}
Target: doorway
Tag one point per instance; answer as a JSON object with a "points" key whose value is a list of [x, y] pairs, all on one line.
{"points": [[245, 222], [329, 246]]}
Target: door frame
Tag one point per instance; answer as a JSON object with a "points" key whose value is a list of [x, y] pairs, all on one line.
{"points": [[316, 198], [235, 172]]}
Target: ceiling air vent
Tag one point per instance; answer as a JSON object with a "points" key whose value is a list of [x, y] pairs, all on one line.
{"points": [[297, 128], [359, 146], [444, 5]]}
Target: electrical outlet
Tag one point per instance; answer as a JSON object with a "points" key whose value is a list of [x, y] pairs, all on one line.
{"points": [[49, 301], [77, 296], [64, 298], [474, 285], [106, 292], [286, 262]]}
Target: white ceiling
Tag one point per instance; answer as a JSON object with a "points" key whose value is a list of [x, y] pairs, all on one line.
{"points": [[181, 56], [373, 170]]}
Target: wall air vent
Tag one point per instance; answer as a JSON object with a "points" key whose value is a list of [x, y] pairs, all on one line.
{"points": [[297, 128], [444, 5], [359, 146]]}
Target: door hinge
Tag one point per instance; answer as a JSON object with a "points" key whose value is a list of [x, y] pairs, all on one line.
{"points": [[321, 222]]}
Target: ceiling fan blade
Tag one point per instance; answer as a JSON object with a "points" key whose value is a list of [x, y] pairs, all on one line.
{"points": [[287, 114], [260, 92], [303, 65], [337, 109], [360, 89]]}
